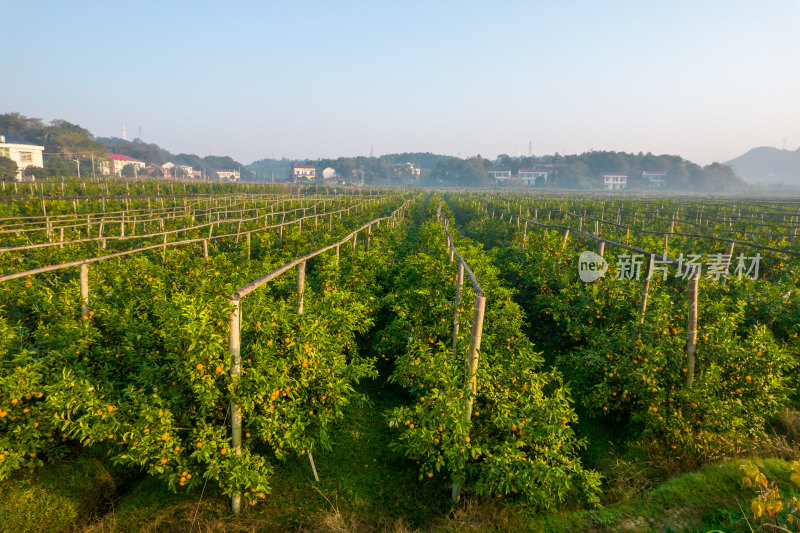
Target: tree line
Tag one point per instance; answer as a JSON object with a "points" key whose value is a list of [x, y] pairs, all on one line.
{"points": [[581, 171]]}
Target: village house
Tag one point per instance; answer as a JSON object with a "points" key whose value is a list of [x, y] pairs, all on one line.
{"points": [[529, 176], [655, 180], [178, 171], [500, 175], [228, 174], [614, 182], [303, 172], [406, 171], [24, 154], [118, 162]]}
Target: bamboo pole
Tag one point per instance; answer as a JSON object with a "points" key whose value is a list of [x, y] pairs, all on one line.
{"points": [[85, 289], [728, 257], [691, 332], [646, 287], [525, 234], [472, 366], [473, 354], [301, 284], [456, 321], [236, 413]]}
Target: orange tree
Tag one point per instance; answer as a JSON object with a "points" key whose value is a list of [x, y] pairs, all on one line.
{"points": [[520, 438], [145, 376], [635, 374]]}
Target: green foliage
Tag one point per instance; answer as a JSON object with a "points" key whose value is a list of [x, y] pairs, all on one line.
{"points": [[8, 168], [519, 440]]}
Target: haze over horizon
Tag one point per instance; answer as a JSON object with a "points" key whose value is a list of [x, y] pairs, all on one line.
{"points": [[704, 80]]}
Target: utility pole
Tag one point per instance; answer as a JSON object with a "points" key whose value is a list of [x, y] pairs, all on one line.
{"points": [[79, 167], [93, 176]]}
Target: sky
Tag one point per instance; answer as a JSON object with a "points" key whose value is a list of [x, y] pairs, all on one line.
{"points": [[706, 80]]}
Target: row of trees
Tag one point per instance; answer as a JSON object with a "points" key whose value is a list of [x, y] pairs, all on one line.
{"points": [[581, 171], [65, 142]]}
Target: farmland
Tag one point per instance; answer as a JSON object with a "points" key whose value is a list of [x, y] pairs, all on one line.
{"points": [[261, 357]]}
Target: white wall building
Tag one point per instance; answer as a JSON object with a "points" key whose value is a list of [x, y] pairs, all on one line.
{"points": [[228, 174], [654, 179], [306, 172], [22, 153], [500, 175], [615, 182], [530, 175], [118, 162]]}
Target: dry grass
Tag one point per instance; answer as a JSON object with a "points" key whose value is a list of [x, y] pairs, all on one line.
{"points": [[490, 514]]}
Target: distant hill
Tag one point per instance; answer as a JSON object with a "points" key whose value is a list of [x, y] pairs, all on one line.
{"points": [[769, 166]]}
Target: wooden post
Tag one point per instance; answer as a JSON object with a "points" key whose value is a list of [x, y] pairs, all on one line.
{"points": [[301, 285], [601, 247], [248, 246], [205, 249], [337, 255], [472, 366], [164, 252], [236, 413], [355, 236], [646, 287], [459, 285], [85, 289], [728, 257], [564, 240], [473, 354], [61, 237], [691, 343], [666, 244], [369, 232], [524, 234]]}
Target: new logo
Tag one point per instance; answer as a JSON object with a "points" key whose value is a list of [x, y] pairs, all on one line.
{"points": [[591, 266]]}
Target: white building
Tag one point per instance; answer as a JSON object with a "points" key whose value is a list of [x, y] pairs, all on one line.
{"points": [[22, 153], [177, 171], [228, 174], [304, 172], [118, 162], [530, 175], [615, 182], [500, 175], [654, 179]]}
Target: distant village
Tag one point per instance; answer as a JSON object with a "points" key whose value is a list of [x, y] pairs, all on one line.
{"points": [[30, 156], [27, 156]]}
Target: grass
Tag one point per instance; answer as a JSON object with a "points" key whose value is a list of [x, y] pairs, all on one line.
{"points": [[60, 496]]}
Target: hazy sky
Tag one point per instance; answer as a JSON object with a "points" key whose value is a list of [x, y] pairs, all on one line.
{"points": [[706, 80]]}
